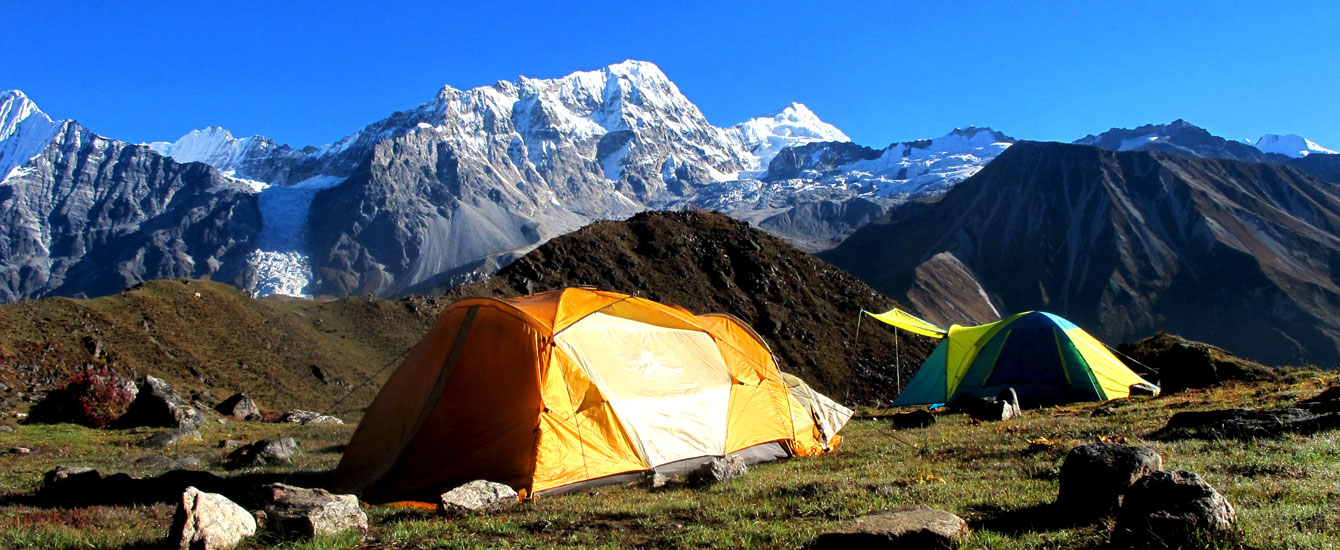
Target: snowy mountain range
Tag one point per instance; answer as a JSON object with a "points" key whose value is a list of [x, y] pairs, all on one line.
{"points": [[452, 188]]}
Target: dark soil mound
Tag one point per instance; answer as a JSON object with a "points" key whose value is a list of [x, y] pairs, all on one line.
{"points": [[804, 308], [1183, 364]]}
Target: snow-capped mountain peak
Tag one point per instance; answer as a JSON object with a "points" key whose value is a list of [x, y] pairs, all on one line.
{"points": [[24, 131], [793, 125], [1292, 145]]}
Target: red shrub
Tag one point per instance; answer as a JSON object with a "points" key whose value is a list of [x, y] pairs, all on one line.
{"points": [[93, 397]]}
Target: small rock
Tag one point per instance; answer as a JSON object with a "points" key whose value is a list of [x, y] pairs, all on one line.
{"points": [[240, 406], [657, 480], [718, 470], [209, 521], [914, 419], [184, 463], [265, 451], [20, 451], [1103, 411], [167, 438], [1095, 476], [68, 485], [1142, 388], [229, 444], [297, 416], [7, 429], [203, 400], [152, 462], [295, 511], [1172, 510], [911, 527], [476, 496], [140, 430]]}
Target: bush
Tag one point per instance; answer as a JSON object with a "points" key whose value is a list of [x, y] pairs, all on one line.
{"points": [[92, 397]]}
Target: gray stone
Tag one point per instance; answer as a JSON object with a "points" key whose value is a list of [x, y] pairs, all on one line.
{"points": [[718, 470], [239, 406], [1172, 510], [297, 416], [911, 527], [157, 404], [167, 438], [1095, 476], [476, 496], [7, 429], [295, 511], [1143, 389], [209, 521], [657, 480], [229, 444], [265, 451], [1251, 422]]}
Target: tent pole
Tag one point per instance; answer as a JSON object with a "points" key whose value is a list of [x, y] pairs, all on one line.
{"points": [[897, 362]]}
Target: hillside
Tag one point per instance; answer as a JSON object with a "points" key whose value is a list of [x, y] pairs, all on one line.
{"points": [[804, 308], [201, 335]]}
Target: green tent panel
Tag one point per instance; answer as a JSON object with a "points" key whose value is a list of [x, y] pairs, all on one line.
{"points": [[1042, 356]]}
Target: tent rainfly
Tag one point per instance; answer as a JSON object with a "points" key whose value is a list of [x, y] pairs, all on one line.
{"points": [[570, 388], [1042, 356]]}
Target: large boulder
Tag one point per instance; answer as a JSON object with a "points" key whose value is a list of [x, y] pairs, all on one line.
{"points": [[1095, 476], [157, 404], [476, 496], [209, 521], [910, 527], [298, 512], [239, 406], [1183, 364], [265, 451], [1172, 510]]}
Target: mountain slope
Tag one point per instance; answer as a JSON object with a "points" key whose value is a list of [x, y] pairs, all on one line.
{"points": [[1178, 137], [202, 335], [806, 310], [1239, 254], [85, 215]]}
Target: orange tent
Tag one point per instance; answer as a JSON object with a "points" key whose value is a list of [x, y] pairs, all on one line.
{"points": [[573, 387]]}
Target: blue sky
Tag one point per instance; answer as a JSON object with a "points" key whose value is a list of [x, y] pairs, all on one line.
{"points": [[309, 73]]}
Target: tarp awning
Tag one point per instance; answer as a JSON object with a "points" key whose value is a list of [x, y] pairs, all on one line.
{"points": [[909, 322]]}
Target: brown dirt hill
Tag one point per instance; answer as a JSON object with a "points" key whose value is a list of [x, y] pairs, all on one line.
{"points": [[804, 308], [202, 335]]}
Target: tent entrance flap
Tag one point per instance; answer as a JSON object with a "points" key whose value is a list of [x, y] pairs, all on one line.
{"points": [[908, 322]]}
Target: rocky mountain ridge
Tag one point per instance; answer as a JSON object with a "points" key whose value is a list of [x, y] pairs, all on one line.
{"points": [[1239, 254]]}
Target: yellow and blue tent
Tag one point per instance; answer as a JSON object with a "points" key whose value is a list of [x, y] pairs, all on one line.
{"points": [[1042, 356]]}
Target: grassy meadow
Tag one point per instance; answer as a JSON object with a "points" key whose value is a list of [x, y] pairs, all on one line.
{"points": [[1000, 477]]}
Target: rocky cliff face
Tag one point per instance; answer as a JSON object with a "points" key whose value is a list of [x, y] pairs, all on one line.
{"points": [[91, 216], [1238, 254]]}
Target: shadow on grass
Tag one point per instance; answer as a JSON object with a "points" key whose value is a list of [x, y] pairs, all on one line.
{"points": [[1031, 519], [93, 489]]}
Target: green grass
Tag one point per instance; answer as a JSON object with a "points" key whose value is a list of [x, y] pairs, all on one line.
{"points": [[998, 476]]}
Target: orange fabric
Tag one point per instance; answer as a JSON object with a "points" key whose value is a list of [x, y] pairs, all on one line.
{"points": [[485, 424], [388, 421], [517, 410]]}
